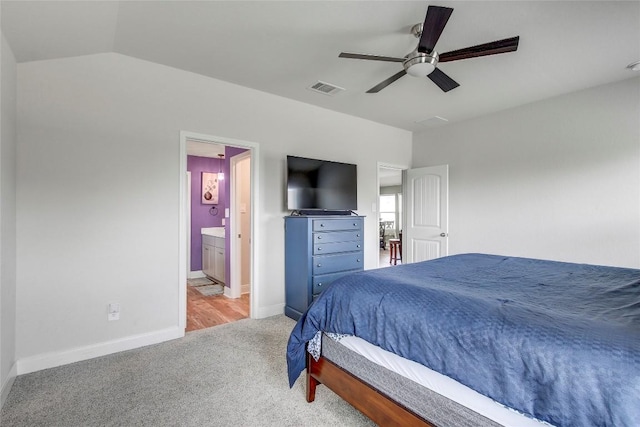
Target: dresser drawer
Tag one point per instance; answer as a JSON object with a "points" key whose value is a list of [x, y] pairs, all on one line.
{"points": [[332, 248], [321, 282], [335, 263], [338, 236], [337, 224]]}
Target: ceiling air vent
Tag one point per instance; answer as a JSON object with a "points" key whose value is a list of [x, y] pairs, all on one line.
{"points": [[325, 88]]}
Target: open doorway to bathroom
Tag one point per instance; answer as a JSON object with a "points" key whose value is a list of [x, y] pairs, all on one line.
{"points": [[390, 215], [218, 273]]}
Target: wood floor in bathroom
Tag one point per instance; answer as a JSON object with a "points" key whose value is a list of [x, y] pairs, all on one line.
{"points": [[207, 311]]}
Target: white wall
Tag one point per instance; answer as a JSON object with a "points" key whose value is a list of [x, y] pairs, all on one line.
{"points": [[7, 219], [98, 192], [557, 179]]}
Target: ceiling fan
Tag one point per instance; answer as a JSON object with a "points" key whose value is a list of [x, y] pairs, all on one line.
{"points": [[424, 59]]}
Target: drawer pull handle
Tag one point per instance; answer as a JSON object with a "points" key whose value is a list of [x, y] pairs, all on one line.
{"points": [[319, 265], [319, 237], [321, 224], [357, 246], [319, 248], [357, 235], [319, 284], [358, 260], [355, 225]]}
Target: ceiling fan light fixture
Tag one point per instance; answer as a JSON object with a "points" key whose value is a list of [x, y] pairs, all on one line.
{"points": [[421, 69], [421, 65]]}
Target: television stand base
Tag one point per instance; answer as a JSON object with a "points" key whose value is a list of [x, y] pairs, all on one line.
{"points": [[318, 212]]}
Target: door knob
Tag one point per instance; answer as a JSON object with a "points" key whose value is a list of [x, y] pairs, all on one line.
{"points": [[443, 234]]}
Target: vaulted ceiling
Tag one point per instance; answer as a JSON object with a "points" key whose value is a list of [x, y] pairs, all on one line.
{"points": [[283, 47]]}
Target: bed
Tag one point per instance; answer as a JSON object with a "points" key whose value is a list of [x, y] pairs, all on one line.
{"points": [[556, 342]]}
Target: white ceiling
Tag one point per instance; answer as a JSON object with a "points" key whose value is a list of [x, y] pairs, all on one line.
{"points": [[284, 47], [204, 149], [389, 177]]}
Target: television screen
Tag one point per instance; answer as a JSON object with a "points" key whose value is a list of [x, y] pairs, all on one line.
{"points": [[321, 184]]}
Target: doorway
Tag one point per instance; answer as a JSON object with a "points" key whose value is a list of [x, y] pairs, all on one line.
{"points": [[390, 214], [210, 288]]}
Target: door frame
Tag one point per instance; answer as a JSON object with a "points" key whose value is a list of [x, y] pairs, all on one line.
{"points": [[182, 219], [385, 165], [187, 227]]}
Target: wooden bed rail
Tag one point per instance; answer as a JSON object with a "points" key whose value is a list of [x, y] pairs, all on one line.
{"points": [[380, 408]]}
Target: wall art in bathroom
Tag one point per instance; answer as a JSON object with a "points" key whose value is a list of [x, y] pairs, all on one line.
{"points": [[209, 188]]}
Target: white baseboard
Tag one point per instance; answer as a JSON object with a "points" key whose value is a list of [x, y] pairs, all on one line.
{"points": [[195, 274], [53, 359], [272, 310], [6, 386]]}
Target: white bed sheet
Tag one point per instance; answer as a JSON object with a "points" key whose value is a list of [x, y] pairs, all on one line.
{"points": [[441, 384]]}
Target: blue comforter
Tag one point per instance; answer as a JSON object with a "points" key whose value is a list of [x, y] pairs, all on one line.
{"points": [[557, 341]]}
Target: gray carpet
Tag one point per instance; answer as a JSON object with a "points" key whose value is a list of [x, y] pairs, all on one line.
{"points": [[228, 375]]}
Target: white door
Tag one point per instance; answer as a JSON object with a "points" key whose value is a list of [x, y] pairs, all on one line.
{"points": [[241, 225], [244, 168], [426, 193]]}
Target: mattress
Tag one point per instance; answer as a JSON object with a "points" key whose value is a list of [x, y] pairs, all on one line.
{"points": [[427, 404], [438, 383]]}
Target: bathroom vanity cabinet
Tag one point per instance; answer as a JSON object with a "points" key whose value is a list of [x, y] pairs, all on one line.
{"points": [[213, 257]]}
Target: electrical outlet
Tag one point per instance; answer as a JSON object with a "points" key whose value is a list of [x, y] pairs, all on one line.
{"points": [[114, 311], [223, 221]]}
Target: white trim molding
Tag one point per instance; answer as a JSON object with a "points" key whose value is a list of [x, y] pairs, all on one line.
{"points": [[272, 310], [54, 359], [6, 387]]}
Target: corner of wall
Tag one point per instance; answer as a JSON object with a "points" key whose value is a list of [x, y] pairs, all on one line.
{"points": [[7, 384], [8, 120]]}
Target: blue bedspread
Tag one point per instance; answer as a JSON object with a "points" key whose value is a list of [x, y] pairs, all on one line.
{"points": [[557, 341]]}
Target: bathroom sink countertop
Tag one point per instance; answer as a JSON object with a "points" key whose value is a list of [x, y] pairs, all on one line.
{"points": [[213, 231]]}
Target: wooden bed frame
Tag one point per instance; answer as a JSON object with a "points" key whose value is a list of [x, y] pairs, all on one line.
{"points": [[379, 407]]}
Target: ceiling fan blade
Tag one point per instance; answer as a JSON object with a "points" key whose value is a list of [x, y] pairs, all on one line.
{"points": [[434, 22], [443, 81], [371, 57], [377, 88], [492, 48]]}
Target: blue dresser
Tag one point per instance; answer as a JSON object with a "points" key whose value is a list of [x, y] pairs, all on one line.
{"points": [[318, 250]]}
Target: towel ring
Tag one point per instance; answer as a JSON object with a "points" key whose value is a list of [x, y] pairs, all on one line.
{"points": [[213, 210]]}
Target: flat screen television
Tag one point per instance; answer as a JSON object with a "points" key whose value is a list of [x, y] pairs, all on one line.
{"points": [[321, 185]]}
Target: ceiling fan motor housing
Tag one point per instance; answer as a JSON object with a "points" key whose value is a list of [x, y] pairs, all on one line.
{"points": [[420, 64]]}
